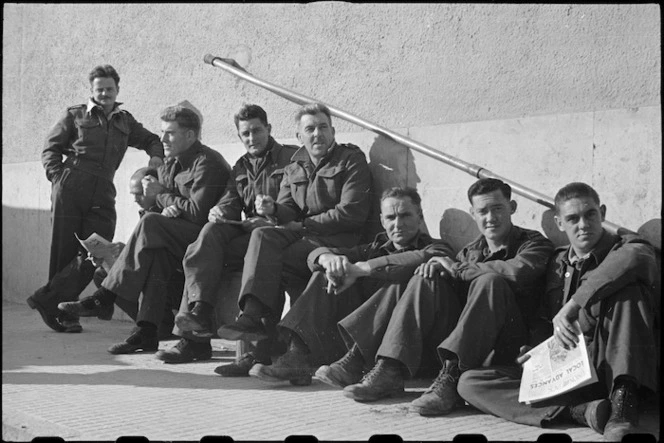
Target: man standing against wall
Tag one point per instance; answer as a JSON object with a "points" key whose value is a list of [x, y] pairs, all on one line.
{"points": [[323, 201], [192, 180], [223, 241], [603, 284], [94, 137]]}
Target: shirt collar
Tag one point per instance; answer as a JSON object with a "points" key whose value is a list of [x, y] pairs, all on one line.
{"points": [[92, 105], [513, 243], [303, 155], [599, 252], [420, 241], [187, 157]]}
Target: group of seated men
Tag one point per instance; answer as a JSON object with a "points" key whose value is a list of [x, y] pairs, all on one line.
{"points": [[365, 317]]}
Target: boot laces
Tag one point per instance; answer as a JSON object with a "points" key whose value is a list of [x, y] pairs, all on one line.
{"points": [[447, 377]]}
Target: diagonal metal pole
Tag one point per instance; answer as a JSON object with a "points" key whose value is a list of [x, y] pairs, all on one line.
{"points": [[231, 66]]}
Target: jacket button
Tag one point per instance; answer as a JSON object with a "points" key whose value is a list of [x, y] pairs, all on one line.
{"points": [[567, 274]]}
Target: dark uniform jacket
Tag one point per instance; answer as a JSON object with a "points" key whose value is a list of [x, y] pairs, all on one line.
{"points": [[522, 264], [195, 179], [245, 182], [331, 199], [387, 262], [94, 144], [616, 262]]}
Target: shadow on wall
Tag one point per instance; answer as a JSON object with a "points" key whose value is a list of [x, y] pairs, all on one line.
{"points": [[26, 239], [391, 165]]}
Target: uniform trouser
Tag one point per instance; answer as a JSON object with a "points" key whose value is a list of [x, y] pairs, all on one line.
{"points": [[314, 316], [490, 322], [81, 204], [272, 251], [620, 335], [218, 248], [146, 264], [403, 321]]}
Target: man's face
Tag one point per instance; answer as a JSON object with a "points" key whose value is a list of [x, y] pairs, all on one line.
{"points": [[493, 215], [316, 133], [104, 91], [254, 135], [401, 220], [581, 219], [176, 140], [136, 190]]}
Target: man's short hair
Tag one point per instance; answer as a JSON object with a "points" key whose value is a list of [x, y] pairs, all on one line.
{"points": [[185, 117], [487, 185], [104, 71], [313, 109], [144, 172], [248, 112], [401, 192], [574, 190]]}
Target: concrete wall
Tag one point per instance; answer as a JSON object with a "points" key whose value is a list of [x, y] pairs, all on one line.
{"points": [[540, 94]]}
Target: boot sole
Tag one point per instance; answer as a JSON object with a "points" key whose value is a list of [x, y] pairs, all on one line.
{"points": [[320, 375], [395, 393], [84, 313], [34, 304], [188, 324], [598, 415], [298, 381], [132, 350]]}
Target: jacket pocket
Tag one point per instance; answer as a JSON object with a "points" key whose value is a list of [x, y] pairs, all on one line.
{"points": [[184, 181], [329, 182], [90, 133]]}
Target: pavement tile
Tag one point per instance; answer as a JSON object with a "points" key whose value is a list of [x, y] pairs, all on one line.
{"points": [[67, 385]]}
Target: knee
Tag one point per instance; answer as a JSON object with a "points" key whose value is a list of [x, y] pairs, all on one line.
{"points": [[488, 281], [468, 384], [149, 221]]}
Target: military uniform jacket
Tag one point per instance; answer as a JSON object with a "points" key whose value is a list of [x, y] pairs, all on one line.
{"points": [[245, 182], [93, 143], [522, 264], [195, 179], [616, 262], [387, 262], [330, 199]]}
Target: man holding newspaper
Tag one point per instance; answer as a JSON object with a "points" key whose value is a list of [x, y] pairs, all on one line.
{"points": [[599, 289]]}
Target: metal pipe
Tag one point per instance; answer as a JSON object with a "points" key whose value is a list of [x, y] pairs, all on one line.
{"points": [[230, 65]]}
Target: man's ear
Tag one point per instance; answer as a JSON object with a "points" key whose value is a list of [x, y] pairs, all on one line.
{"points": [[472, 211], [559, 223], [299, 138], [602, 209], [269, 129], [512, 206]]}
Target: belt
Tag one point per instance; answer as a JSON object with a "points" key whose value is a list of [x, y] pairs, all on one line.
{"points": [[90, 167]]}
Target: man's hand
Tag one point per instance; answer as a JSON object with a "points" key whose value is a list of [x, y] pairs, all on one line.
{"points": [[171, 211], [152, 186], [292, 226], [565, 325], [216, 215], [252, 223], [155, 162], [353, 272], [264, 205], [523, 356], [435, 266]]}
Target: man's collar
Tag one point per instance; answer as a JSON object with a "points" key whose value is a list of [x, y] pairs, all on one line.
{"points": [[599, 252], [420, 240], [303, 155], [272, 150], [186, 158], [92, 104], [511, 246]]}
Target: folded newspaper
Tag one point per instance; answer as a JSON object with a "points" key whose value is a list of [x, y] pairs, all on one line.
{"points": [[100, 248], [553, 370]]}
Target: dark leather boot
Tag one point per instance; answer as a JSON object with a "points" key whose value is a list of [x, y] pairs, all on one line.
{"points": [[197, 320], [384, 380], [442, 397], [100, 305], [624, 410], [593, 414], [348, 370]]}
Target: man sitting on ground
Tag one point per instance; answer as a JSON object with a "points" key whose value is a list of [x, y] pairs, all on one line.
{"points": [[605, 282]]}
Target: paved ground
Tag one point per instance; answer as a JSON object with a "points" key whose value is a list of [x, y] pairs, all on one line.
{"points": [[67, 385]]}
